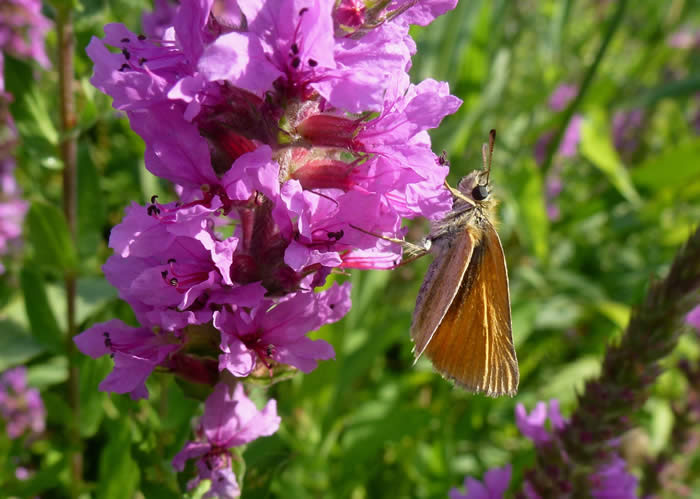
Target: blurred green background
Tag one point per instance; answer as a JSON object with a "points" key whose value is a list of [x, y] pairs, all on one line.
{"points": [[370, 424]]}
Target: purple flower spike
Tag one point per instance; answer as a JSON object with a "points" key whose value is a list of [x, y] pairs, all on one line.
{"points": [[495, 484], [229, 420], [20, 406]]}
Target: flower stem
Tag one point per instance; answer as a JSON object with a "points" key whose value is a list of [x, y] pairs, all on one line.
{"points": [[568, 113], [68, 150], [629, 370]]}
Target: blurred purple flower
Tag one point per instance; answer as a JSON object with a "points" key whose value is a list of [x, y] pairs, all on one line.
{"points": [[561, 96], [22, 30], [533, 425], [495, 484], [685, 38], [693, 318], [22, 473], [229, 420], [20, 406], [572, 136], [568, 147], [608, 481], [613, 481], [626, 130]]}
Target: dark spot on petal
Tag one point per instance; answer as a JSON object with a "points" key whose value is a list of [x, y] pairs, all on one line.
{"points": [[127, 54], [142, 37], [142, 60], [332, 306], [164, 274], [303, 11], [124, 67], [126, 40], [173, 282], [313, 63], [295, 48], [295, 62], [171, 260]]}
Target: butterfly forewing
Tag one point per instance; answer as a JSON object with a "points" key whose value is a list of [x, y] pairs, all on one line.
{"points": [[439, 288], [473, 343]]}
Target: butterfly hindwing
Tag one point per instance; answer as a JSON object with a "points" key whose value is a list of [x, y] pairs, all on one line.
{"points": [[473, 344]]}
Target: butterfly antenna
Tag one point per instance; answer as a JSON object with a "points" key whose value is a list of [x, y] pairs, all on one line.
{"points": [[488, 157]]}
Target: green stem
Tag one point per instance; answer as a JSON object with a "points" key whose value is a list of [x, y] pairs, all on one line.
{"points": [[568, 113], [68, 151]]}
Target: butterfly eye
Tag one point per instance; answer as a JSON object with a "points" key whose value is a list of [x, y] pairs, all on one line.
{"points": [[480, 192]]}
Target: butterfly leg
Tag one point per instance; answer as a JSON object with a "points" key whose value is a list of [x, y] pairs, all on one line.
{"points": [[415, 250]]}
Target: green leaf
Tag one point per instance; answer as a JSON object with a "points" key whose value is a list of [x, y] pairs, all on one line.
{"points": [[50, 238], [93, 293], [17, 347], [119, 475], [90, 205], [41, 317], [570, 378], [675, 166], [597, 147], [618, 313], [672, 90], [533, 210], [51, 372], [92, 372], [45, 478], [36, 104]]}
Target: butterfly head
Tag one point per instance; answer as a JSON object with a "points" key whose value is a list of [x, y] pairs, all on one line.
{"points": [[475, 186]]}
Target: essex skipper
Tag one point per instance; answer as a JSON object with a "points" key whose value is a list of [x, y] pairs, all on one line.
{"points": [[462, 316]]}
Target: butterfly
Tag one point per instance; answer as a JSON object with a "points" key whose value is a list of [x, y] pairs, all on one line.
{"points": [[462, 319]]}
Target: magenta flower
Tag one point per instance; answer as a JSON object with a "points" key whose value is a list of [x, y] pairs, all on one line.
{"points": [[136, 353], [283, 125], [229, 420], [277, 331], [495, 484], [20, 406], [157, 22]]}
